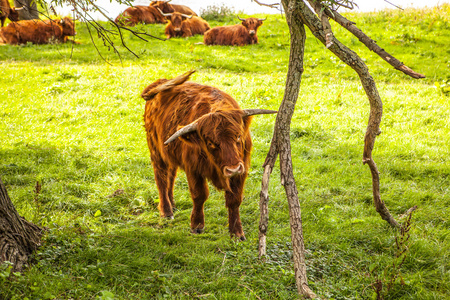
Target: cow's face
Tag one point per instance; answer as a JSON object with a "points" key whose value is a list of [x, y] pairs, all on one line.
{"points": [[222, 135], [177, 19], [164, 6], [13, 15], [68, 27], [252, 25]]}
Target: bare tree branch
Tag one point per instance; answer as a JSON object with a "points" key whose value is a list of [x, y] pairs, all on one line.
{"points": [[376, 106], [371, 44], [273, 5], [319, 9], [393, 4]]}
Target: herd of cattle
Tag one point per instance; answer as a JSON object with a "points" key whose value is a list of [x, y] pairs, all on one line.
{"points": [[181, 22], [195, 127]]}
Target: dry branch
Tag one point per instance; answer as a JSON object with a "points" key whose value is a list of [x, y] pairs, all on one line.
{"points": [[281, 146], [273, 5], [371, 44], [264, 210], [319, 9], [376, 106]]}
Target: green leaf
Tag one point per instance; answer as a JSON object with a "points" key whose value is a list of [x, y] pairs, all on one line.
{"points": [[98, 213], [106, 295]]}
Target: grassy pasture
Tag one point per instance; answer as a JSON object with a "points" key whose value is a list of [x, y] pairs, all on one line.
{"points": [[74, 123]]}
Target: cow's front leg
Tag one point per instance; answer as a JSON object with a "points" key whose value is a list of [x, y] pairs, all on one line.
{"points": [[199, 193], [233, 200], [186, 32]]}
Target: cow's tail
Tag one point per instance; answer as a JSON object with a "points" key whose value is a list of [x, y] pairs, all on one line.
{"points": [[166, 85]]}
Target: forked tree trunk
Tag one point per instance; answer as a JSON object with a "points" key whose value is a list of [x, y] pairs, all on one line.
{"points": [[298, 15], [281, 145], [18, 237]]}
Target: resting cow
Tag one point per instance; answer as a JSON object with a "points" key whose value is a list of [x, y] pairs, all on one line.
{"points": [[140, 14], [37, 31], [6, 11], [181, 25], [203, 131], [166, 7], [234, 35]]}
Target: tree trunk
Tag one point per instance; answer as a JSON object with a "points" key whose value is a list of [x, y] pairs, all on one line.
{"points": [[281, 145], [30, 10], [18, 237]]}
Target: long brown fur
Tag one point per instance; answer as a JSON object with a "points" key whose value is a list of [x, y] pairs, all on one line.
{"points": [[234, 35], [37, 31], [6, 11], [166, 7], [180, 26], [140, 14], [220, 143]]}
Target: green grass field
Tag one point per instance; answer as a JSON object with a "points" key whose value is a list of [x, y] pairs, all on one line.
{"points": [[73, 122]]}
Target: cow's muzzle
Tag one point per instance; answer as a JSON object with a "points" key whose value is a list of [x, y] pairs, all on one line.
{"points": [[230, 171], [177, 29], [252, 32]]}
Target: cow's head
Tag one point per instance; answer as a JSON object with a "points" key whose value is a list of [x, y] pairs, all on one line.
{"points": [[68, 27], [176, 19], [14, 14], [221, 135], [251, 24], [164, 6]]}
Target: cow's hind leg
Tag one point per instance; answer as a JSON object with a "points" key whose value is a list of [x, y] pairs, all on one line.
{"points": [[199, 193], [171, 175], [164, 186], [233, 200]]}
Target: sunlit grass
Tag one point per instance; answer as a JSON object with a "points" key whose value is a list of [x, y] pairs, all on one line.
{"points": [[74, 123]]}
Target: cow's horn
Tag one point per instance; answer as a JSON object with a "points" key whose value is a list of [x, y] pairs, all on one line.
{"points": [[165, 15], [186, 16], [149, 95], [168, 1], [262, 19], [240, 18], [186, 129], [257, 111], [19, 8]]}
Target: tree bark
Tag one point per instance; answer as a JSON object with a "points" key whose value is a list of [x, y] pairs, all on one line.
{"points": [[30, 10], [18, 237], [281, 145]]}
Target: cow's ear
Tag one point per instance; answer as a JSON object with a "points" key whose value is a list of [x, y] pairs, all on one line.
{"points": [[190, 138], [247, 120]]}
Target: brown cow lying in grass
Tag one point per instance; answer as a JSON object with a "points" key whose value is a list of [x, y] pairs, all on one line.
{"points": [[38, 31], [234, 35], [140, 14], [6, 11], [203, 131], [181, 25], [166, 7]]}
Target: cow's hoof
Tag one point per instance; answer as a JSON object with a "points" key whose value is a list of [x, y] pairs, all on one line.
{"points": [[238, 237], [197, 230]]}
